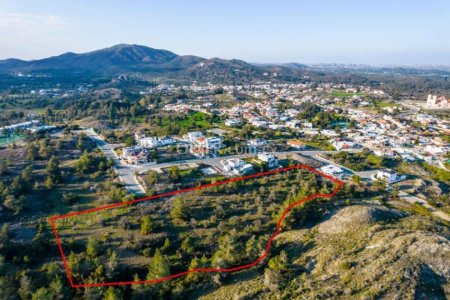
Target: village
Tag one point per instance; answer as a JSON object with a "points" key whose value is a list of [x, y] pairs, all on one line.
{"points": [[360, 118]]}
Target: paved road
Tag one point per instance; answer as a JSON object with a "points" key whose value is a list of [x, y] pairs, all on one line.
{"points": [[125, 172]]}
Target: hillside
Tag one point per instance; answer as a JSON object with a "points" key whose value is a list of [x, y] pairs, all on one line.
{"points": [[361, 252]]}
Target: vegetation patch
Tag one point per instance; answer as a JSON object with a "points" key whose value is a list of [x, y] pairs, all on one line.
{"points": [[219, 227]]}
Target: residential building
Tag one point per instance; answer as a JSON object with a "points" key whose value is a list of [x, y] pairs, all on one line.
{"points": [[134, 155], [269, 159], [388, 175], [435, 102], [236, 166], [233, 122], [332, 170], [296, 144], [205, 146]]}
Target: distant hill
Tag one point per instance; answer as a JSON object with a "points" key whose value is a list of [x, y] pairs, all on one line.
{"points": [[119, 58], [162, 65], [125, 58]]}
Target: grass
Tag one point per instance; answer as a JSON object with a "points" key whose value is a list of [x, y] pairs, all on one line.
{"points": [[321, 145], [195, 120], [342, 94], [384, 104], [437, 173]]}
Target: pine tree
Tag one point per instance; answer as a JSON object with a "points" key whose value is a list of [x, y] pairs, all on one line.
{"points": [[159, 267], [178, 212], [146, 225]]}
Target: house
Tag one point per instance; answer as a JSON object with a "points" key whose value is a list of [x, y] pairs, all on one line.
{"points": [[332, 170], [435, 102], [148, 142], [296, 144], [259, 142], [192, 136], [388, 175], [294, 124], [269, 159], [233, 122], [205, 146], [23, 125], [134, 155], [153, 142], [236, 166], [341, 144]]}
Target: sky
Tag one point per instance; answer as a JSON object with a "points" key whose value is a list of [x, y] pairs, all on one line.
{"points": [[377, 32]]}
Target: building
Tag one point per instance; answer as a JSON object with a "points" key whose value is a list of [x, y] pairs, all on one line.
{"points": [[388, 175], [341, 144], [43, 128], [134, 155], [233, 122], [236, 166], [269, 159], [435, 102], [259, 142], [23, 125], [296, 144], [153, 142], [148, 142], [205, 146], [192, 136], [332, 170]]}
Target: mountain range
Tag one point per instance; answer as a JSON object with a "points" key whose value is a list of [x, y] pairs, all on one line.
{"points": [[124, 58], [168, 66]]}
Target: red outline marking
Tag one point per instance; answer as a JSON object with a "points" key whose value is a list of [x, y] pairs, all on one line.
{"points": [[264, 255]]}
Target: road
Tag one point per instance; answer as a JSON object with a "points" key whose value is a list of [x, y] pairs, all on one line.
{"points": [[125, 172]]}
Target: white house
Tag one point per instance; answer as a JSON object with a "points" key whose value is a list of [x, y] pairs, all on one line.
{"points": [[204, 146], [192, 136], [233, 122], [148, 142], [388, 175], [153, 142], [332, 170], [341, 144], [271, 160], [236, 166], [259, 142]]}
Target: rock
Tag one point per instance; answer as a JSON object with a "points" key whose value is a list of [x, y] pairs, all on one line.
{"points": [[352, 217]]}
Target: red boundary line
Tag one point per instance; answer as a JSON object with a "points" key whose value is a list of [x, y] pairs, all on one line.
{"points": [[264, 255]]}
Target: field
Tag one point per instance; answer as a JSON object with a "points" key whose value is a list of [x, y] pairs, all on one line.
{"points": [[342, 94]]}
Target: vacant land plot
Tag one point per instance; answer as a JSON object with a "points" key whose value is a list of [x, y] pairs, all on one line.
{"points": [[211, 228]]}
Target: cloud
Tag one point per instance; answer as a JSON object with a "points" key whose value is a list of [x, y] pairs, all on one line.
{"points": [[14, 22]]}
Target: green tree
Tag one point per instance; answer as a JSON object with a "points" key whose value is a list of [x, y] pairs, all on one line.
{"points": [[166, 244], [53, 168], [32, 151], [112, 294], [174, 173], [14, 203], [84, 163], [356, 179], [159, 267], [93, 247], [42, 294], [178, 211], [49, 182], [273, 274], [146, 225], [152, 177]]}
